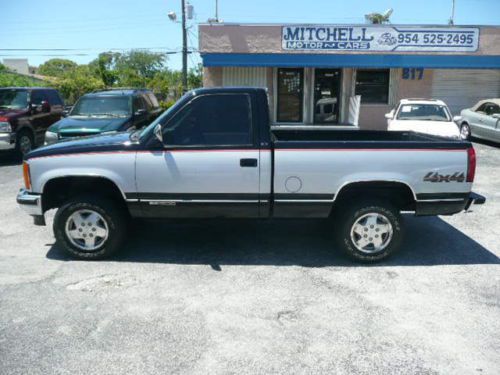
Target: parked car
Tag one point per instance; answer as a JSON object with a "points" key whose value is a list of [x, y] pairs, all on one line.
{"points": [[105, 112], [25, 115], [213, 154], [427, 116], [481, 121]]}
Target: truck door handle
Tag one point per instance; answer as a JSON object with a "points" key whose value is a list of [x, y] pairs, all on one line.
{"points": [[248, 162]]}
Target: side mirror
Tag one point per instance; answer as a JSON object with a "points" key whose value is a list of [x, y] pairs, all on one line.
{"points": [[390, 115], [45, 106], [158, 132], [66, 110], [457, 119], [140, 112]]}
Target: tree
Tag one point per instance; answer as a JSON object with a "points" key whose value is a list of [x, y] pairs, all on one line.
{"points": [[56, 67], [17, 80], [195, 77], [77, 82], [104, 67]]}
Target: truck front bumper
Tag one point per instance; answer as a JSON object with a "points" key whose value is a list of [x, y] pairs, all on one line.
{"points": [[30, 202], [7, 141]]}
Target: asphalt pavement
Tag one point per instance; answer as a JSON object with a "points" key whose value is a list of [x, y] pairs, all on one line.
{"points": [[253, 297]]}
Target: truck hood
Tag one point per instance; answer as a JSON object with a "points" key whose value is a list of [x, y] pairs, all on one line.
{"points": [[85, 125], [101, 143], [13, 113], [439, 128]]}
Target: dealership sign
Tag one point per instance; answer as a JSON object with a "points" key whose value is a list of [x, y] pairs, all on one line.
{"points": [[380, 38]]}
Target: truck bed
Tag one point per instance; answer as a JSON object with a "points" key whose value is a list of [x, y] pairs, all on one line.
{"points": [[361, 138]]}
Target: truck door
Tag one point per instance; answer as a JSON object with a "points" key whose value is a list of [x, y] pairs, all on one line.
{"points": [[210, 164]]}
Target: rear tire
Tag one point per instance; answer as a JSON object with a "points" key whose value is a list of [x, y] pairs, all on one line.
{"points": [[465, 132], [90, 228], [370, 230]]}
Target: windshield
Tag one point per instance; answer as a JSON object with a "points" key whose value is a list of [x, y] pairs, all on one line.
{"points": [[96, 106], [13, 99], [145, 133], [423, 112]]}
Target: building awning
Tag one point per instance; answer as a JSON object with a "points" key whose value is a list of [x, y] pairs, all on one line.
{"points": [[351, 60]]}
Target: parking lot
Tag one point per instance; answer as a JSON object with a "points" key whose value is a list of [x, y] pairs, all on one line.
{"points": [[253, 297]]}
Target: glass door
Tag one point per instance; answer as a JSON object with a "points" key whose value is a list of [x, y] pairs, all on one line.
{"points": [[326, 96], [290, 95]]}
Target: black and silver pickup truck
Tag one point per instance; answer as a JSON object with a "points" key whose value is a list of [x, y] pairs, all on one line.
{"points": [[213, 154]]}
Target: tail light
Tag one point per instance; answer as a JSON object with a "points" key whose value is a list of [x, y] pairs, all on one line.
{"points": [[26, 175], [471, 164]]}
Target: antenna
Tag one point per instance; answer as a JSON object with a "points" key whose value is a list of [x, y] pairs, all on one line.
{"points": [[388, 13]]}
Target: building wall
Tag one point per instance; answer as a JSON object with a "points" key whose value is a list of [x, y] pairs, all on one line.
{"points": [[17, 65], [212, 77], [225, 38]]}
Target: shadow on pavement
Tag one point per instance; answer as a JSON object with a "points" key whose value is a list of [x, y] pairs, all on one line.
{"points": [[9, 158], [486, 142], [308, 243]]}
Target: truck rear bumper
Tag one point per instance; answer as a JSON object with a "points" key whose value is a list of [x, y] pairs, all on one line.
{"points": [[448, 206], [7, 141]]}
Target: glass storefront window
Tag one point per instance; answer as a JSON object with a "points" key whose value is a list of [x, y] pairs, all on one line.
{"points": [[373, 86], [290, 95], [326, 96]]}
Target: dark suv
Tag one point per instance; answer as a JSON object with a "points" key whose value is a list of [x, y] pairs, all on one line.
{"points": [[25, 115], [106, 112]]}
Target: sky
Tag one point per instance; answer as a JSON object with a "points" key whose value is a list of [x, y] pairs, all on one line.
{"points": [[88, 27]]}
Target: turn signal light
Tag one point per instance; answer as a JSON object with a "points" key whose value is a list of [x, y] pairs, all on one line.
{"points": [[471, 164], [26, 175]]}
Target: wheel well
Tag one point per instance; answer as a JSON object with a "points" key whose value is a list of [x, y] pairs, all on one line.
{"points": [[398, 193], [26, 129], [59, 190]]}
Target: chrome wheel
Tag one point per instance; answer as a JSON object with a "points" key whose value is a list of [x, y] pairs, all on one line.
{"points": [[87, 230], [371, 233], [25, 145], [465, 132]]}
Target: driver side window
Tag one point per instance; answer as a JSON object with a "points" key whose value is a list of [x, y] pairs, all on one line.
{"points": [[212, 120]]}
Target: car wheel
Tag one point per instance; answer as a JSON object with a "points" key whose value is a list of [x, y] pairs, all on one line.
{"points": [[370, 231], [465, 133], [24, 142], [90, 228]]}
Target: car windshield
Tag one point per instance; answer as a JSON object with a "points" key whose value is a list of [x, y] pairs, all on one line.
{"points": [[13, 99], [101, 106], [423, 112]]}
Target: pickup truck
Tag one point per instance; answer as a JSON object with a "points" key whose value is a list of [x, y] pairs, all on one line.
{"points": [[213, 154]]}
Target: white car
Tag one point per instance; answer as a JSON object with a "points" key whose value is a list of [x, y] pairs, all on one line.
{"points": [[427, 116], [481, 121]]}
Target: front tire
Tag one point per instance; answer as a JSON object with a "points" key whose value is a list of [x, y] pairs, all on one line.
{"points": [[90, 228], [25, 142], [370, 231]]}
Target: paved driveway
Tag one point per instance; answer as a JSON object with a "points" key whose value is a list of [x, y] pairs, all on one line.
{"points": [[254, 297]]}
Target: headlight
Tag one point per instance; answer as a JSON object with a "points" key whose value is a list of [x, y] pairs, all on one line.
{"points": [[50, 137], [5, 127]]}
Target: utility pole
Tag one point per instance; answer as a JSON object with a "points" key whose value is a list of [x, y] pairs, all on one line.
{"points": [[184, 48], [216, 10], [452, 18]]}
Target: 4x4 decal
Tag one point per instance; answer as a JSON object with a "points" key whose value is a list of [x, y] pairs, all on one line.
{"points": [[436, 177]]}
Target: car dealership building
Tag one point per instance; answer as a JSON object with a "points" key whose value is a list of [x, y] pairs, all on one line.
{"points": [[312, 72]]}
